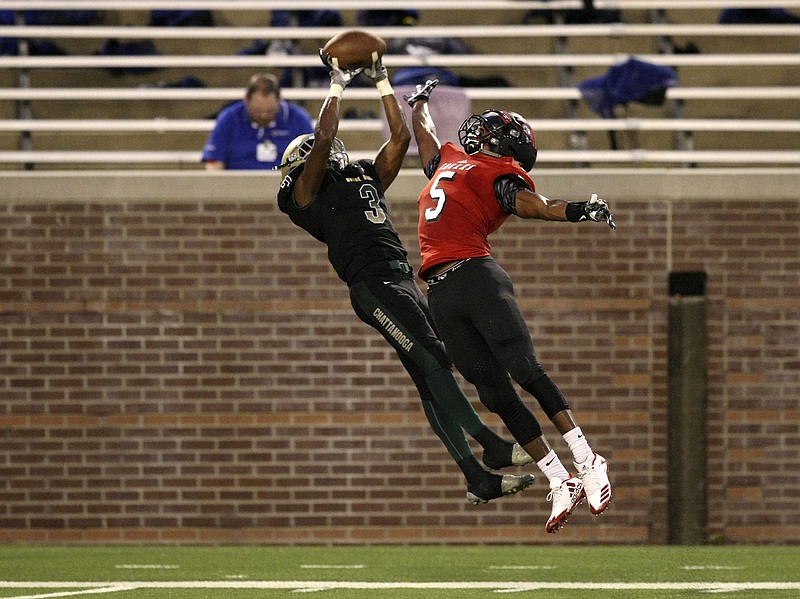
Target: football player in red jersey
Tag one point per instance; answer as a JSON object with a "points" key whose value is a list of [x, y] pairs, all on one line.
{"points": [[471, 192], [343, 205]]}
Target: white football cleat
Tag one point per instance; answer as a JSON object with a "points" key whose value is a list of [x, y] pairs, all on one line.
{"points": [[594, 474], [565, 495]]}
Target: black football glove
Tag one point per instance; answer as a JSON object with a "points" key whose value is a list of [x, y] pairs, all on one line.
{"points": [[326, 58], [597, 210], [423, 92]]}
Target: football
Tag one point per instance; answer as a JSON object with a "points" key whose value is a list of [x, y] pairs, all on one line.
{"points": [[353, 49]]}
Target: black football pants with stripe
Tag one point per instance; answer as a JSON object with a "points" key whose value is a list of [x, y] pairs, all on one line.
{"points": [[395, 307], [487, 338]]}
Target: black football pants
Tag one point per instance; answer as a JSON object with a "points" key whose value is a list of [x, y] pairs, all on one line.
{"points": [[487, 338], [397, 308]]}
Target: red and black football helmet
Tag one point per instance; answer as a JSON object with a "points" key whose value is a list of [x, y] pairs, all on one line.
{"points": [[503, 132]]}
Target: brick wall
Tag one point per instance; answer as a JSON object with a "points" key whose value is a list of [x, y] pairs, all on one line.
{"points": [[179, 364]]}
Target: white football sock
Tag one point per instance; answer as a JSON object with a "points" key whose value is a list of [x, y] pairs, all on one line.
{"points": [[577, 445], [552, 467]]}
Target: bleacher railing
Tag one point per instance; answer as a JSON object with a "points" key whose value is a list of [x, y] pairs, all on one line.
{"points": [[514, 5], [738, 60]]}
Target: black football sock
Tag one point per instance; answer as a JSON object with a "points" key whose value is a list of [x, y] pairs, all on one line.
{"points": [[449, 432], [473, 471], [493, 445], [449, 396]]}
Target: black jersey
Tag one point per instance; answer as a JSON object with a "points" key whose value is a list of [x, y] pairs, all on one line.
{"points": [[349, 215]]}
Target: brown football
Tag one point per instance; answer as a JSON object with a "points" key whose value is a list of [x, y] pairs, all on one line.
{"points": [[353, 49]]}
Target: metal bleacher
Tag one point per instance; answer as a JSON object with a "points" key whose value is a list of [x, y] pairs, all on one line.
{"points": [[738, 102]]}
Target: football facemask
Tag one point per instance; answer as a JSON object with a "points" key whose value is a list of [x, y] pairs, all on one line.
{"points": [[297, 152], [501, 132]]}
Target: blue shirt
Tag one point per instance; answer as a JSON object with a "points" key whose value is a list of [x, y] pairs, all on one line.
{"points": [[241, 144]]}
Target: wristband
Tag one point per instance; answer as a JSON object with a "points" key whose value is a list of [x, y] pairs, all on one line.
{"points": [[335, 91], [384, 88], [575, 211]]}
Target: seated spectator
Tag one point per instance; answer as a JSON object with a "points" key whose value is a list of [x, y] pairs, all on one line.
{"points": [[253, 133]]}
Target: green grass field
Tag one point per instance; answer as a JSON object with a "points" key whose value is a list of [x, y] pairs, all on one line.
{"points": [[408, 572]]}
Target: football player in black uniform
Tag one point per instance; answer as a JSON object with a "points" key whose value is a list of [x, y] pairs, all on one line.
{"points": [[342, 204]]}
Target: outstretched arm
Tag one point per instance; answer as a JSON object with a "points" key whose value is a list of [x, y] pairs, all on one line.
{"points": [[428, 144], [389, 159], [310, 180], [534, 205], [530, 204]]}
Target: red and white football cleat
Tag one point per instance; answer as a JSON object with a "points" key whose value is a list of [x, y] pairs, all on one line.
{"points": [[565, 495], [594, 474]]}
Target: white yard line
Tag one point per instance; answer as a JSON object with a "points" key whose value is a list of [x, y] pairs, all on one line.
{"points": [[713, 568], [521, 568], [309, 586], [332, 566], [102, 589], [145, 567]]}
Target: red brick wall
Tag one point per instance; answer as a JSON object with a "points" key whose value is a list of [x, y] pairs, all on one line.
{"points": [[181, 365]]}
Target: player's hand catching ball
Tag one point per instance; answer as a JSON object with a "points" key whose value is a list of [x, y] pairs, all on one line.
{"points": [[423, 92], [377, 72], [338, 76], [596, 210]]}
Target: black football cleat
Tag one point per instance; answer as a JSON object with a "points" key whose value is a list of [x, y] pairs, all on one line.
{"points": [[513, 455], [497, 485]]}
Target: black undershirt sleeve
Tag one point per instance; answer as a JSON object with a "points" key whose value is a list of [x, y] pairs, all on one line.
{"points": [[506, 188], [432, 165]]}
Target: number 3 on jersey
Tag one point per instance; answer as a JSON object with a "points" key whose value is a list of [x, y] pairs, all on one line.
{"points": [[376, 215], [438, 195]]}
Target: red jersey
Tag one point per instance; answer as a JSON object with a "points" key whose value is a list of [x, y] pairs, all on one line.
{"points": [[458, 209]]}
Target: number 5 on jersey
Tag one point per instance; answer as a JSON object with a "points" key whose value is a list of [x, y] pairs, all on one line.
{"points": [[438, 195]]}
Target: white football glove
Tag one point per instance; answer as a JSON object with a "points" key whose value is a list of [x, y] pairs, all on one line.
{"points": [[343, 78], [338, 76], [377, 72]]}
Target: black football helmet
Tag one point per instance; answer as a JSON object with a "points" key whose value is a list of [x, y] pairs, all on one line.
{"points": [[502, 132], [297, 152]]}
